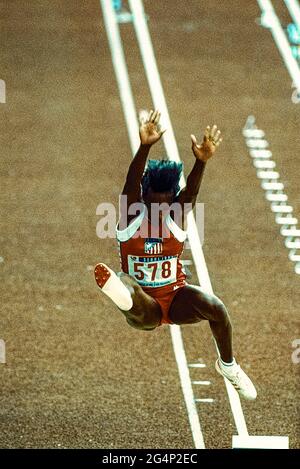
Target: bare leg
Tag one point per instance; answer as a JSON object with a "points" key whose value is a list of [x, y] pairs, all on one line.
{"points": [[145, 313], [192, 304], [140, 310]]}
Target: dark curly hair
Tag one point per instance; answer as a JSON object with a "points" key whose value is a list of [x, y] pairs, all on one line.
{"points": [[162, 176]]}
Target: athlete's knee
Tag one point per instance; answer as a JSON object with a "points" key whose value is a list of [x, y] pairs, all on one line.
{"points": [[220, 312], [137, 324]]}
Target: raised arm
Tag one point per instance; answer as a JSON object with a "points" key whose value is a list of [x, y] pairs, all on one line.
{"points": [[211, 140], [150, 132]]}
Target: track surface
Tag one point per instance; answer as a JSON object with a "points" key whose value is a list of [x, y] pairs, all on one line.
{"points": [[76, 374]]}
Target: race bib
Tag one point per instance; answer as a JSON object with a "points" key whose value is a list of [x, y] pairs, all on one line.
{"points": [[153, 271]]}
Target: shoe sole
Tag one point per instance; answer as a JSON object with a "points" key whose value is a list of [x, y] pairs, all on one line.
{"points": [[102, 274]]}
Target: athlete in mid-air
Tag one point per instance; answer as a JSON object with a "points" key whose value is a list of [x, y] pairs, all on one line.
{"points": [[151, 288]]}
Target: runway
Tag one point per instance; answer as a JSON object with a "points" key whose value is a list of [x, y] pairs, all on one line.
{"points": [[76, 374]]}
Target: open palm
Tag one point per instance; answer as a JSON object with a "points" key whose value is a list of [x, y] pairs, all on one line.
{"points": [[211, 140], [150, 130]]}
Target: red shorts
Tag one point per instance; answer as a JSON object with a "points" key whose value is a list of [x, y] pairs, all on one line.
{"points": [[164, 298]]}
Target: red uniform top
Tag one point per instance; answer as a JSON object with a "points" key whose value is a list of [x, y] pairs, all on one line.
{"points": [[152, 254]]}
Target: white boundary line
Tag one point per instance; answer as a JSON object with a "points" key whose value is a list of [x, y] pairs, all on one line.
{"points": [[186, 384], [121, 72], [159, 101], [119, 63], [2, 92], [294, 9], [271, 21]]}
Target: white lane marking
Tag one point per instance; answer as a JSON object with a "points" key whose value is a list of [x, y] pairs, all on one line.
{"points": [[2, 92], [159, 101], [186, 385], [275, 195], [128, 107], [119, 63], [197, 365], [262, 442], [294, 9], [202, 383], [271, 21], [205, 399], [261, 153], [2, 351]]}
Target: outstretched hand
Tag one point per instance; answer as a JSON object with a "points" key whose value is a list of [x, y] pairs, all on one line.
{"points": [[211, 140], [150, 130]]}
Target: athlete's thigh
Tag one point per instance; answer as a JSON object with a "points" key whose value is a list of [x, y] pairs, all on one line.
{"points": [[191, 304], [145, 312]]}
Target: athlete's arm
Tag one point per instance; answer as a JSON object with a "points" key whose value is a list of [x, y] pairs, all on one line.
{"points": [[132, 187], [211, 140], [150, 132]]}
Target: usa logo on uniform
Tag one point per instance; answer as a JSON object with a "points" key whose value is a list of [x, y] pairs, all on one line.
{"points": [[153, 245]]}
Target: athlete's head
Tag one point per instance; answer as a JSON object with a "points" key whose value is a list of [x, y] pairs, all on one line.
{"points": [[160, 182]]}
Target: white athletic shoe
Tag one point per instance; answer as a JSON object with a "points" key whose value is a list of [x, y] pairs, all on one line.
{"points": [[238, 378], [113, 287]]}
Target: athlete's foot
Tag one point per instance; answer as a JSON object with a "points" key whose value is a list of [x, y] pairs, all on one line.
{"points": [[113, 287], [238, 378]]}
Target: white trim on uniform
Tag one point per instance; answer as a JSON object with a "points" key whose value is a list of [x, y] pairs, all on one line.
{"points": [[127, 233], [179, 234]]}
